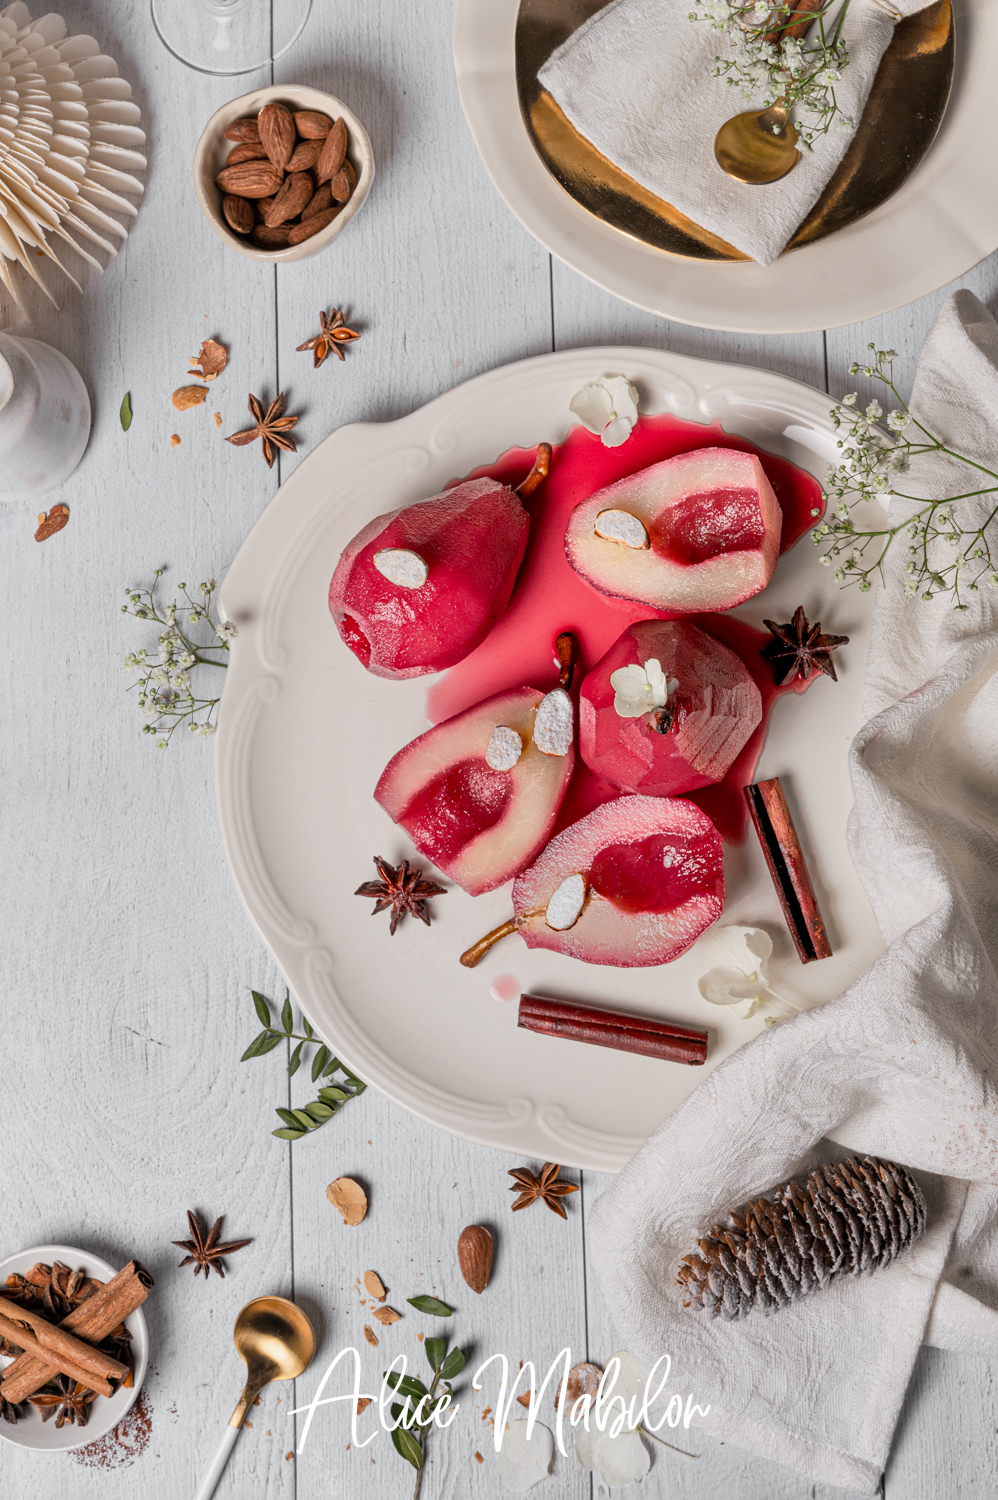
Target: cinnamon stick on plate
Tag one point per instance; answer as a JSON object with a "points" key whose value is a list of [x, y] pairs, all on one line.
{"points": [[611, 1028], [91, 1321], [781, 846], [77, 1360]]}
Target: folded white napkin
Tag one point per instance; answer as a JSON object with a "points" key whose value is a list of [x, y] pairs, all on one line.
{"points": [[636, 80], [903, 1065]]}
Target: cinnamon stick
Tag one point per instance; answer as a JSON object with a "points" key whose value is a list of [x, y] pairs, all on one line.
{"points": [[21, 1335], [59, 1344], [92, 1320], [613, 1029], [804, 11], [785, 858]]}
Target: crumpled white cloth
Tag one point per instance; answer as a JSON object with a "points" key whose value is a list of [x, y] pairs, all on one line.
{"points": [[635, 80], [903, 1065]]}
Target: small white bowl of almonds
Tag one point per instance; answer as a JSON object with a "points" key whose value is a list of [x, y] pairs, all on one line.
{"points": [[282, 171]]}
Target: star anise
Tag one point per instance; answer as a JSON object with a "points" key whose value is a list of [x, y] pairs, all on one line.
{"points": [[334, 334], [204, 1251], [403, 889], [800, 649], [8, 1411], [544, 1185], [270, 429], [66, 1399]]}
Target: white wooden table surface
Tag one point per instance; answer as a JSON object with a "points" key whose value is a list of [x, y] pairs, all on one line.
{"points": [[126, 959]]}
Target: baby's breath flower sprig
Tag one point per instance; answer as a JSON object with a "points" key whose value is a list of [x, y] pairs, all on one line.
{"points": [[945, 556], [166, 694], [767, 68]]}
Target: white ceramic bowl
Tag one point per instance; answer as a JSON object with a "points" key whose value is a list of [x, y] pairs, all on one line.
{"points": [[106, 1411], [213, 149]]}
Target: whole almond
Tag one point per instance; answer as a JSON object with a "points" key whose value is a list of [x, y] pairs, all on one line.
{"points": [[321, 199], [250, 179], [238, 213], [247, 151], [188, 396], [276, 237], [305, 155], [311, 125], [245, 129], [277, 133], [474, 1254], [308, 227], [290, 201], [343, 184], [49, 524], [334, 150]]}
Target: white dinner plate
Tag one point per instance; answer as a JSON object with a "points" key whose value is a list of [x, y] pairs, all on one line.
{"points": [[304, 733], [105, 1411], [941, 222]]}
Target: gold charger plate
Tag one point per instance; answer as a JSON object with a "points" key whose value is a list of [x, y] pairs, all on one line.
{"points": [[902, 115]]}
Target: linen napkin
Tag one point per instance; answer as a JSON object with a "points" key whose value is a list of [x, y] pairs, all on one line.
{"points": [[902, 1065], [635, 80]]}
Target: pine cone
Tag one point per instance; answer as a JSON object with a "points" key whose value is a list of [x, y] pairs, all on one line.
{"points": [[848, 1218]]}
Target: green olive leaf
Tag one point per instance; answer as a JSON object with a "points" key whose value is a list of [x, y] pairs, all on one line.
{"points": [[125, 411], [289, 1135], [452, 1365], [408, 1446], [295, 1061], [430, 1305], [435, 1350], [287, 1016], [262, 1008]]}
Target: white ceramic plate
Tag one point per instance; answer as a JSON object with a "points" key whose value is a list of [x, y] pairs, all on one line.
{"points": [[106, 1411], [304, 733], [939, 224]]}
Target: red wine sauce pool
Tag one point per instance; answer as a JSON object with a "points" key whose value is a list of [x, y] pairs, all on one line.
{"points": [[550, 597]]}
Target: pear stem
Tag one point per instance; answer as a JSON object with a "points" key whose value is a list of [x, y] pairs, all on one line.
{"points": [[538, 473], [478, 950], [566, 649]]}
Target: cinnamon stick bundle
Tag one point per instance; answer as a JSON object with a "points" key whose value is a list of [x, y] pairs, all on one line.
{"points": [[79, 1367], [92, 1321], [785, 858], [613, 1029]]}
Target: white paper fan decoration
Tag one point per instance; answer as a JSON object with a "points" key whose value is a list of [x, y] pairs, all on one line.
{"points": [[69, 145]]}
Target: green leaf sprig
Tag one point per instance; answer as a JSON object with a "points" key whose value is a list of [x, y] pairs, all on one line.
{"points": [[125, 412], [299, 1122], [410, 1443]]}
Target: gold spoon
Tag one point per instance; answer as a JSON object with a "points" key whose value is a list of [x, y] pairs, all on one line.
{"points": [[275, 1342], [757, 148]]}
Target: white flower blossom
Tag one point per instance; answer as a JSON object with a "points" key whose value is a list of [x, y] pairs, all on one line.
{"points": [[608, 407], [522, 1463], [738, 976], [639, 688]]}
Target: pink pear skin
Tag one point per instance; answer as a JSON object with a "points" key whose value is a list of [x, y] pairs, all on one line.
{"points": [[694, 534], [633, 884], [691, 740], [470, 541]]}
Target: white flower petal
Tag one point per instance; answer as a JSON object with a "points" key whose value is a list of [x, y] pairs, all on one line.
{"points": [[623, 397], [618, 1460], [592, 406], [657, 682], [522, 1464], [744, 948], [721, 986], [630, 681], [630, 1381], [616, 432]]}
